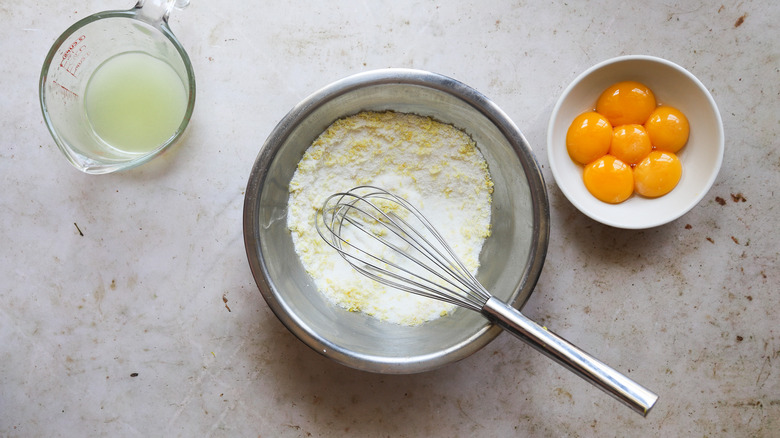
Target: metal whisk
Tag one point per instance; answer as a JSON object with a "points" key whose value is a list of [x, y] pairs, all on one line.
{"points": [[388, 240]]}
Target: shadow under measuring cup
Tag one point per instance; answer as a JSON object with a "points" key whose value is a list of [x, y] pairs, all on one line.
{"points": [[117, 88]]}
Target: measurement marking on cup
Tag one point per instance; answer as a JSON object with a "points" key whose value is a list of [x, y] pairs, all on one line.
{"points": [[64, 88], [67, 58]]}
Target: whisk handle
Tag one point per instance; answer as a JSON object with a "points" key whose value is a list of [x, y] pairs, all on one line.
{"points": [[632, 394]]}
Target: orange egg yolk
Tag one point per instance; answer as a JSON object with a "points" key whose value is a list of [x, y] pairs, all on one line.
{"points": [[588, 137], [630, 143], [627, 102], [609, 179], [657, 174], [668, 129]]}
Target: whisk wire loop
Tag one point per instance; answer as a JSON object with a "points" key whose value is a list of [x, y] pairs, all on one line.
{"points": [[419, 261], [359, 258]]}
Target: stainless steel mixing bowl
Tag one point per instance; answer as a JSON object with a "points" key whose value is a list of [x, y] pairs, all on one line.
{"points": [[511, 259]]}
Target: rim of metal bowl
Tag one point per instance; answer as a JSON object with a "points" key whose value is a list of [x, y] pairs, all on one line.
{"points": [[260, 169]]}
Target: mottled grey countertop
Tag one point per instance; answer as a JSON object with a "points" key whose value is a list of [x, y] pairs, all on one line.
{"points": [[127, 307]]}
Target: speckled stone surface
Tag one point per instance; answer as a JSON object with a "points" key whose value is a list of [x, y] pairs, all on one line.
{"points": [[127, 307]]}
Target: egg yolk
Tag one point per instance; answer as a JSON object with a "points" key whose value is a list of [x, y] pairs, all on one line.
{"points": [[588, 137], [630, 143], [609, 179], [657, 174], [668, 128], [627, 102]]}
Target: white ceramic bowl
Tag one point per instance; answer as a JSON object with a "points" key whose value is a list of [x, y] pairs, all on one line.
{"points": [[701, 157]]}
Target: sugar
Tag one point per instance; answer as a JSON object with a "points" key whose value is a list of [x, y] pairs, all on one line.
{"points": [[434, 166]]}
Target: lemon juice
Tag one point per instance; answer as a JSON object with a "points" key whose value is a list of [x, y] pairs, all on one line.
{"points": [[135, 102]]}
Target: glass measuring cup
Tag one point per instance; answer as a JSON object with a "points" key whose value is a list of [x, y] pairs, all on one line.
{"points": [[117, 88]]}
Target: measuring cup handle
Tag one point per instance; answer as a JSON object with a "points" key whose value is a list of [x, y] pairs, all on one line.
{"points": [[158, 11], [632, 394]]}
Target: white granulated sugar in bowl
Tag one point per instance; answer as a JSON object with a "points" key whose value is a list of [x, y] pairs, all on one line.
{"points": [[434, 166]]}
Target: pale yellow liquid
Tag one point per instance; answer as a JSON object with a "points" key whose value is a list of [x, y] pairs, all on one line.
{"points": [[135, 102]]}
